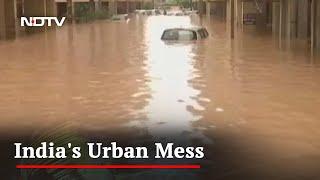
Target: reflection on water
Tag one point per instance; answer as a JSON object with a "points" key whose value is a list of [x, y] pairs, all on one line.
{"points": [[81, 73], [170, 68]]}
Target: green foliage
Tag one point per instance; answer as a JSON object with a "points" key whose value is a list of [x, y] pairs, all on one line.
{"points": [[61, 136], [182, 3], [85, 12], [147, 6], [102, 14]]}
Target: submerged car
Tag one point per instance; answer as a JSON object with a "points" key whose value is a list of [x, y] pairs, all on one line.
{"points": [[179, 13], [184, 34], [190, 12], [120, 17]]}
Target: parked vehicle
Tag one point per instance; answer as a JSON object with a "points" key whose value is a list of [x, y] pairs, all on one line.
{"points": [[120, 17]]}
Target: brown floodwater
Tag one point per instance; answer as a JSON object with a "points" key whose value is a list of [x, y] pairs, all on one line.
{"points": [[252, 100]]}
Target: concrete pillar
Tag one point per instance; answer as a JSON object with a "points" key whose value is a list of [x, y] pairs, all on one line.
{"points": [[231, 17], [19, 8], [224, 10], [238, 12], [218, 9], [138, 4], [91, 6], [70, 10], [269, 13], [201, 7], [262, 18], [283, 13], [292, 19], [194, 5], [316, 20], [312, 25], [275, 18], [51, 8], [132, 6], [288, 21], [127, 7], [39, 8], [302, 26], [35, 8], [113, 9], [208, 8], [7, 19], [242, 13], [98, 5]]}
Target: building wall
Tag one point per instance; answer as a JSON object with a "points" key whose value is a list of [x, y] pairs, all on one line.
{"points": [[7, 19], [218, 9], [303, 19], [275, 17], [317, 26], [249, 7]]}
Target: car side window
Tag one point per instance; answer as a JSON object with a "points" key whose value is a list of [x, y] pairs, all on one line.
{"points": [[170, 35], [202, 35], [186, 35], [206, 32]]}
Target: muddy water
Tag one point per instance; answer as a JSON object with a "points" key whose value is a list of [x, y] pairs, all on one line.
{"points": [[257, 103]]}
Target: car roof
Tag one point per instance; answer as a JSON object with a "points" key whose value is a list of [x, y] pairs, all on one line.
{"points": [[194, 28]]}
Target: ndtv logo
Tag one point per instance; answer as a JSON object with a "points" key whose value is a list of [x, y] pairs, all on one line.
{"points": [[41, 21]]}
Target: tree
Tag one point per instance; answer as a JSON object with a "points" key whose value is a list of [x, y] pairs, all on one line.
{"points": [[69, 10], [182, 3]]}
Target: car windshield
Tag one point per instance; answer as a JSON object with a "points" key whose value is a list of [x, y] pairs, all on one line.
{"points": [[179, 35]]}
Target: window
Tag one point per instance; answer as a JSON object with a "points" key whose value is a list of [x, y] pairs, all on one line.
{"points": [[179, 35], [170, 35], [203, 33], [206, 32], [186, 35]]}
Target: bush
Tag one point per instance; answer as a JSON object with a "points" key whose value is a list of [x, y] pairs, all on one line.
{"points": [[102, 14], [147, 6], [85, 12]]}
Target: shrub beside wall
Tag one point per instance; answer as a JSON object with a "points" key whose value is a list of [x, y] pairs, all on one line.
{"points": [[85, 12]]}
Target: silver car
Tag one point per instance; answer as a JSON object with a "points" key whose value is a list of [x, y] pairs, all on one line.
{"points": [[184, 34]]}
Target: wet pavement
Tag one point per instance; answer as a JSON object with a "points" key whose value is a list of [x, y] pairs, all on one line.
{"points": [[251, 100]]}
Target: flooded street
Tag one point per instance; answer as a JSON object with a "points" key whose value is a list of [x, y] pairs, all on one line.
{"points": [[246, 97]]}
